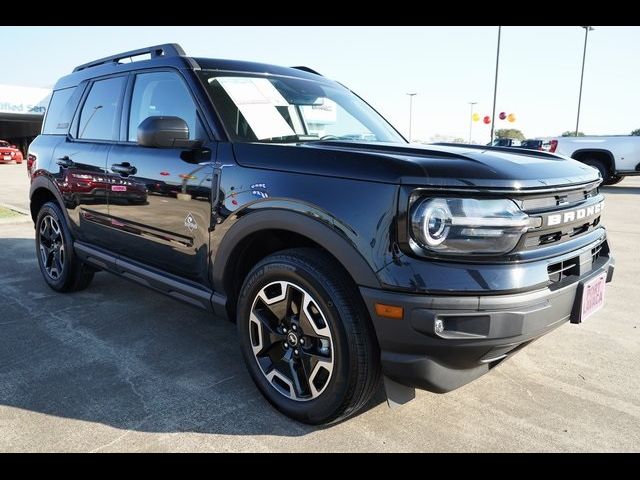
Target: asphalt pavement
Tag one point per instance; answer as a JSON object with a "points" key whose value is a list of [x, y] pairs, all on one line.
{"points": [[121, 368]]}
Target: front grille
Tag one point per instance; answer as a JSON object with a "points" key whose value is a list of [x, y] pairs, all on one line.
{"points": [[572, 207], [561, 270], [577, 265], [595, 253]]}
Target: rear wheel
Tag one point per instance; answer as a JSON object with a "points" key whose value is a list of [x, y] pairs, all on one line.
{"points": [[612, 180], [306, 337], [60, 267], [600, 166]]}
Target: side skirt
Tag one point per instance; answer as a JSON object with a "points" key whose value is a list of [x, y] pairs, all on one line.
{"points": [[162, 282]]}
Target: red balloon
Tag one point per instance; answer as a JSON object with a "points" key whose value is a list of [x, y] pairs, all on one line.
{"points": [[487, 119], [503, 115]]}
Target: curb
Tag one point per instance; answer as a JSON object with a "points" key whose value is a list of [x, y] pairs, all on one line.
{"points": [[15, 209], [24, 217]]}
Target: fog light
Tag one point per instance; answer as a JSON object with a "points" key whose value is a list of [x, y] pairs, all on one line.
{"points": [[439, 326]]}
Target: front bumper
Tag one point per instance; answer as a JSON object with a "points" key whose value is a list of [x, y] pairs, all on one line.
{"points": [[479, 331]]}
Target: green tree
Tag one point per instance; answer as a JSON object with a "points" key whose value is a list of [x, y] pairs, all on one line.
{"points": [[572, 133], [636, 132], [510, 133]]}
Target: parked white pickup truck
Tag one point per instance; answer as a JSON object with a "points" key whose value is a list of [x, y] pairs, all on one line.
{"points": [[616, 156]]}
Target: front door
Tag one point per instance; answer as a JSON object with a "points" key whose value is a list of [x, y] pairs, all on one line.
{"points": [[161, 211]]}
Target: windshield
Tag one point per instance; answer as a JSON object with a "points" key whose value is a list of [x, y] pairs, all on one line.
{"points": [[3, 143], [276, 109]]}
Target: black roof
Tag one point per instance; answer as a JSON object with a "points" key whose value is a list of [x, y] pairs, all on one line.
{"points": [[171, 54]]}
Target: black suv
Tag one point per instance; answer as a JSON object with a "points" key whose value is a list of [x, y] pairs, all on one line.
{"points": [[282, 201]]}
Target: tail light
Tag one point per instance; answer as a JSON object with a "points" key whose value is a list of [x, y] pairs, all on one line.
{"points": [[554, 145], [31, 161]]}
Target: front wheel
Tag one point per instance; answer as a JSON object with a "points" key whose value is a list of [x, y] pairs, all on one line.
{"points": [[306, 337]]}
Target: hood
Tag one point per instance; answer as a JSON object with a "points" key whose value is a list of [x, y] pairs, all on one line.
{"points": [[464, 166]]}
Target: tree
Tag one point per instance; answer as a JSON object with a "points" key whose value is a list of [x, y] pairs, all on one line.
{"points": [[636, 132], [510, 133], [572, 133]]}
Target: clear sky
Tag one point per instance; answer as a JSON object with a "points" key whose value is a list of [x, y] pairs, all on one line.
{"points": [[446, 66]]}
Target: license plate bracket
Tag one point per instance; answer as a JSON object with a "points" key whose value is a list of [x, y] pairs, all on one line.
{"points": [[589, 298]]}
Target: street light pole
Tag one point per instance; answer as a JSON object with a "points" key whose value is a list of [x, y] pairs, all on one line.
{"points": [[471, 120], [411, 95], [587, 29], [495, 86]]}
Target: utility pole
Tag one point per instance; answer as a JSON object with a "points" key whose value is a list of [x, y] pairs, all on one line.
{"points": [[584, 55], [471, 120], [495, 86], [411, 95]]}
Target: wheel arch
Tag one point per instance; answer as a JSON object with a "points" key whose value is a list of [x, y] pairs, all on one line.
{"points": [[43, 190], [261, 233], [600, 154]]}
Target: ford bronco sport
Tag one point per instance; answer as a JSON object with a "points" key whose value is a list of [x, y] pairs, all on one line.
{"points": [[281, 200]]}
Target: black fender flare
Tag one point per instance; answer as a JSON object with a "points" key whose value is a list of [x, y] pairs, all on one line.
{"points": [[45, 182], [320, 232], [608, 153]]}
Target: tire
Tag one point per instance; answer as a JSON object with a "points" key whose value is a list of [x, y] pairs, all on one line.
{"points": [[336, 325], [600, 166], [61, 269], [614, 179]]}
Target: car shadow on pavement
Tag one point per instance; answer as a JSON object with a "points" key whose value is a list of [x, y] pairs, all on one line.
{"points": [[124, 356]]}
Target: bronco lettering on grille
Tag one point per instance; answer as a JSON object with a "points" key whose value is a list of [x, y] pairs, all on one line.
{"points": [[573, 215]]}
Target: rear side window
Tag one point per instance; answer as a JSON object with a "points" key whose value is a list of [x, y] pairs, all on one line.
{"points": [[99, 119], [59, 112]]}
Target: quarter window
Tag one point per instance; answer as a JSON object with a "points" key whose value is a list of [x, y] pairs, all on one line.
{"points": [[99, 119], [59, 112], [162, 94]]}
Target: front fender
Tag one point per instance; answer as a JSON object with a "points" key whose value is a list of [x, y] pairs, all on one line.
{"points": [[305, 220]]}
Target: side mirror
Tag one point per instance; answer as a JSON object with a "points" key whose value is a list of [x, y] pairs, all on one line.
{"points": [[165, 132]]}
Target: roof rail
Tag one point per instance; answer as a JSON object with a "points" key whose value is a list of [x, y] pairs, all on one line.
{"points": [[307, 69], [167, 50]]}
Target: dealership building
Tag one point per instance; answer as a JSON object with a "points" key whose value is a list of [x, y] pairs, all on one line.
{"points": [[22, 110]]}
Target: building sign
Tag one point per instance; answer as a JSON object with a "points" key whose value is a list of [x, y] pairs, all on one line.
{"points": [[23, 100]]}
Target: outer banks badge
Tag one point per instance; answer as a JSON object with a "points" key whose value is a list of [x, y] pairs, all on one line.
{"points": [[190, 222]]}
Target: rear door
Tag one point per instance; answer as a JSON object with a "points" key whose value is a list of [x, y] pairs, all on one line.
{"points": [[81, 158], [162, 211]]}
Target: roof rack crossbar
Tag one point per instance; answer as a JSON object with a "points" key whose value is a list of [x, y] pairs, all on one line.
{"points": [[167, 50]]}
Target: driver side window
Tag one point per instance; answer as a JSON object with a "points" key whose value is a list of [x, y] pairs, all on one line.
{"points": [[162, 94]]}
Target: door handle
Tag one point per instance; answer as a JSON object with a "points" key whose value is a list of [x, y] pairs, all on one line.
{"points": [[124, 168], [65, 162]]}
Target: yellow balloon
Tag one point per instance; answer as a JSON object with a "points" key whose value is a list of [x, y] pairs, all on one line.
{"points": [[475, 117], [511, 117]]}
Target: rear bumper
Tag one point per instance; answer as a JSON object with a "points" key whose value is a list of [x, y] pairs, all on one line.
{"points": [[479, 331]]}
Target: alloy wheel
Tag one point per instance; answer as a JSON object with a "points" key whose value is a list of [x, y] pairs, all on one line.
{"points": [[51, 245], [291, 341]]}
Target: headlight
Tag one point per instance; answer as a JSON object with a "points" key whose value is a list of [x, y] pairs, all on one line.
{"points": [[463, 226]]}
